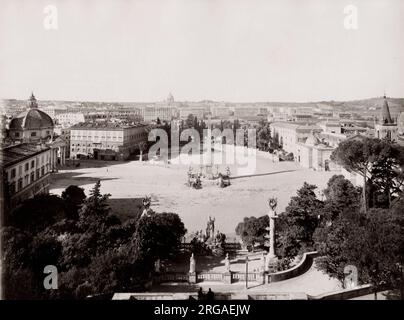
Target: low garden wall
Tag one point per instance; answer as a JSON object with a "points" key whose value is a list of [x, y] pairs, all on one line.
{"points": [[345, 294], [303, 266]]}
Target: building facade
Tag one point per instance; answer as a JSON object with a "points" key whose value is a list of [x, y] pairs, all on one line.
{"points": [[26, 171], [68, 119], [289, 134], [152, 113], [106, 141], [198, 112]]}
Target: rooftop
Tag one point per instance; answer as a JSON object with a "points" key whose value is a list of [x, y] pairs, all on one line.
{"points": [[296, 125], [19, 152], [105, 125]]}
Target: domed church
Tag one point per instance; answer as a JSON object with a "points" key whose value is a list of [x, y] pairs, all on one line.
{"points": [[32, 125]]}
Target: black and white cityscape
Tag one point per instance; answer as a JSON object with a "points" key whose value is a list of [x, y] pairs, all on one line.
{"points": [[202, 150]]}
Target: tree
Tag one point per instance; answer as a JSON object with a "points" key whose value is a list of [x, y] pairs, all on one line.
{"points": [[341, 198], [373, 244], [97, 254], [95, 208], [158, 236], [37, 213], [263, 137], [190, 122], [74, 197], [253, 230], [297, 224], [387, 174], [364, 156]]}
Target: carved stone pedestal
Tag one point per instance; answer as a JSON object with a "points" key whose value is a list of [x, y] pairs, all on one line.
{"points": [[227, 277], [192, 277]]}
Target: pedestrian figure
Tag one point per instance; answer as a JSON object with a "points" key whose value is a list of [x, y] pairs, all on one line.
{"points": [[200, 294], [210, 295]]}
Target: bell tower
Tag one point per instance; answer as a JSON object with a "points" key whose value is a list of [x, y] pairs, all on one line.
{"points": [[386, 128]]}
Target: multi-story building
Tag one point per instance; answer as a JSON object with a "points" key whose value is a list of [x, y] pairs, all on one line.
{"points": [[106, 141], [68, 119], [222, 112], [26, 170], [64, 133], [241, 112], [162, 112], [54, 111], [315, 153], [289, 134], [199, 112]]}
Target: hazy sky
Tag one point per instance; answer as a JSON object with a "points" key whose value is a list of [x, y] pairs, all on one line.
{"points": [[236, 50]]}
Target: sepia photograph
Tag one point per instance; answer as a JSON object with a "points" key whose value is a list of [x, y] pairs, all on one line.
{"points": [[202, 150]]}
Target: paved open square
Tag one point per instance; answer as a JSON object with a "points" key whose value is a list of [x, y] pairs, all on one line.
{"points": [[166, 184]]}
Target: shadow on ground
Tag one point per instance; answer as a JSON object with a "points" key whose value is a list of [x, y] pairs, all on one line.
{"points": [[64, 179]]}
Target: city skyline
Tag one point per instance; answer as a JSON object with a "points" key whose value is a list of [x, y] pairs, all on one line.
{"points": [[133, 51]]}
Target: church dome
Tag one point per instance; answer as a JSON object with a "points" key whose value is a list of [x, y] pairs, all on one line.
{"points": [[33, 118]]}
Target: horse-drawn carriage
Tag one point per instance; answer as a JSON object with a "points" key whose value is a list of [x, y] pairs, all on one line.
{"points": [[224, 180]]}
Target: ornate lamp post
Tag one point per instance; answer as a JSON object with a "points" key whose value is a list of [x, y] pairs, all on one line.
{"points": [[271, 259]]}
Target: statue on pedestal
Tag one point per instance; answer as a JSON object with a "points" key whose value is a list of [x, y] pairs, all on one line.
{"points": [[146, 202], [157, 266], [210, 228], [227, 263], [262, 267], [192, 264]]}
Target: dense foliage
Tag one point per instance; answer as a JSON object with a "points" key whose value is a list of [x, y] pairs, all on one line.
{"points": [[94, 252]]}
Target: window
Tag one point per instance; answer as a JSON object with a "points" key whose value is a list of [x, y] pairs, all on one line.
{"points": [[12, 188], [19, 184], [12, 173], [32, 164], [32, 177], [17, 134], [42, 170], [37, 174], [33, 134]]}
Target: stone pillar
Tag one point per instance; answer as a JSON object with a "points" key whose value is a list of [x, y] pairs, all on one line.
{"points": [[192, 270], [63, 156], [52, 155], [261, 279], [271, 253], [55, 157], [271, 259]]}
